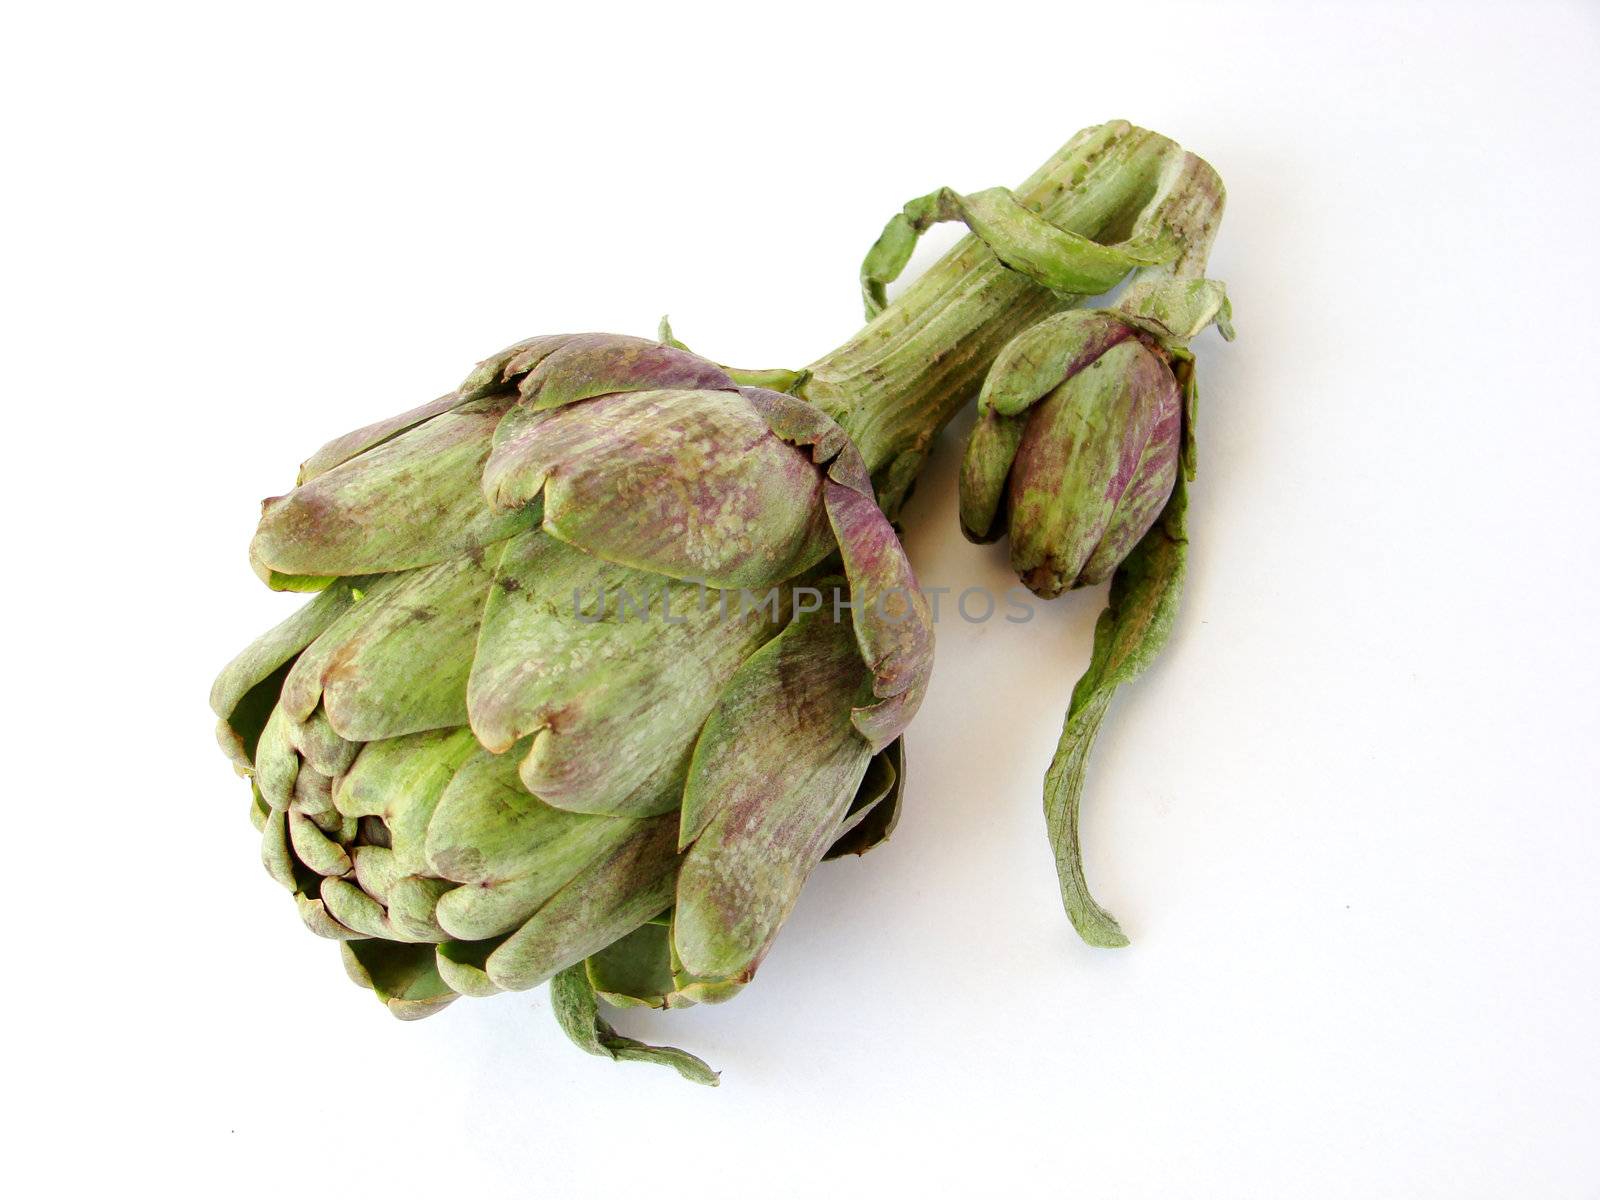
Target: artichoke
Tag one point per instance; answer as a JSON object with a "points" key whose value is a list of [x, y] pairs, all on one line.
{"points": [[607, 651], [1082, 451], [1076, 446]]}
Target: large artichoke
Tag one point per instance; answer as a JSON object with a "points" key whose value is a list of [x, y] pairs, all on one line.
{"points": [[607, 652]]}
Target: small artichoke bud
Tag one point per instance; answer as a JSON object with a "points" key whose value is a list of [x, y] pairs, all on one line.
{"points": [[1079, 435], [1078, 475]]}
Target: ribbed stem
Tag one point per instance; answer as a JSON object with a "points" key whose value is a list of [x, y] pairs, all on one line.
{"points": [[901, 378]]}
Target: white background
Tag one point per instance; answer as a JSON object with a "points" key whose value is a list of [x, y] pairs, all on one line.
{"points": [[1350, 819]]}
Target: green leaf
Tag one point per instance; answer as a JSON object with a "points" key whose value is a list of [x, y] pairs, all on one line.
{"points": [[1175, 310], [576, 1009], [599, 364], [613, 696], [875, 811], [778, 379], [1128, 636], [511, 850], [343, 449], [247, 689], [410, 501], [985, 467], [606, 901], [1053, 257], [887, 258], [636, 970], [773, 774], [685, 483], [397, 661], [406, 978], [889, 614], [1050, 256], [1043, 356]]}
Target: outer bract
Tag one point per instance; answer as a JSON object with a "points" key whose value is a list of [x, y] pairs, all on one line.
{"points": [[580, 678]]}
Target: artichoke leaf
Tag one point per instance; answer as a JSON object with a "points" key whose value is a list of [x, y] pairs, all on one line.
{"points": [[889, 614], [1129, 634], [315, 848], [607, 900], [779, 379], [689, 988], [276, 854], [1176, 310], [773, 772], [321, 747], [985, 467], [1043, 356], [277, 764], [498, 371], [461, 966], [510, 851], [572, 999], [598, 364], [893, 626], [409, 502], [635, 970], [800, 424], [643, 970], [400, 780], [355, 909], [615, 694], [316, 917], [342, 449], [260, 810], [405, 977], [246, 691], [1066, 262], [688, 484], [313, 794], [411, 903], [875, 811], [397, 662]]}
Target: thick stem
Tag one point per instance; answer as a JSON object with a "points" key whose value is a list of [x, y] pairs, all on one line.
{"points": [[901, 378]]}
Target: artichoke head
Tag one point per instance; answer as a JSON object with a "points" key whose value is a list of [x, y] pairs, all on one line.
{"points": [[606, 653], [1081, 431]]}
